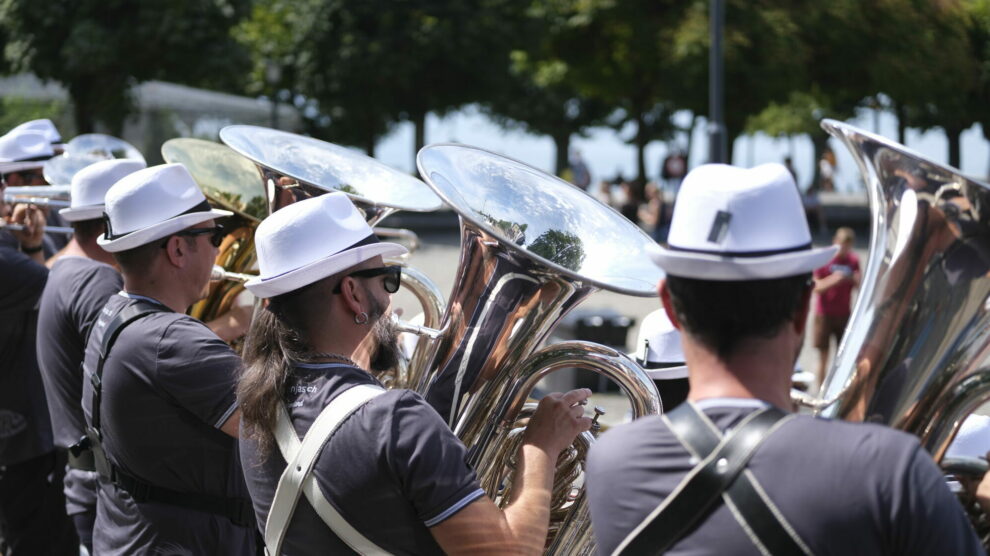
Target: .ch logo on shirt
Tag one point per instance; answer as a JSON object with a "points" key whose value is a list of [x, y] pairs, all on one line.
{"points": [[303, 389]]}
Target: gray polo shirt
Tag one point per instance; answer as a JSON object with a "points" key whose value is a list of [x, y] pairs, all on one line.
{"points": [[393, 469], [76, 291], [846, 488], [168, 385], [25, 428]]}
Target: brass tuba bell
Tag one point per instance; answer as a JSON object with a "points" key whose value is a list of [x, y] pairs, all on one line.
{"points": [[230, 181]]}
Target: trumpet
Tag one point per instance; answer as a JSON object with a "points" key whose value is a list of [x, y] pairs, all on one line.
{"points": [[48, 229], [37, 201], [38, 191], [219, 274]]}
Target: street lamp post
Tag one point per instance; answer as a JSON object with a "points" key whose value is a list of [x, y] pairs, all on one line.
{"points": [[717, 144], [273, 74]]}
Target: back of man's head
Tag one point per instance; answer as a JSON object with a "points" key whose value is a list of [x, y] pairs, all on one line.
{"points": [[739, 255], [723, 314]]}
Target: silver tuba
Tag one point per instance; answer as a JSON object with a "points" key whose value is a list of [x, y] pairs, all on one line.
{"points": [[532, 248], [916, 351], [294, 167]]}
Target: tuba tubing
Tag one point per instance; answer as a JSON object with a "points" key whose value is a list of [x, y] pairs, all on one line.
{"points": [[493, 449]]}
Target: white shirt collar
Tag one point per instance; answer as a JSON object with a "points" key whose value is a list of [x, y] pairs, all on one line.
{"points": [[740, 403]]}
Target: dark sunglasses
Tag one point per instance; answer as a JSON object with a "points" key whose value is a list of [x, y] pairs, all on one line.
{"points": [[393, 276], [217, 234]]}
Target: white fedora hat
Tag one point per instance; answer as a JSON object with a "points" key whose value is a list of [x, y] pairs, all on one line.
{"points": [[151, 204], [658, 347], [310, 240], [90, 186], [43, 126], [739, 224], [24, 150]]}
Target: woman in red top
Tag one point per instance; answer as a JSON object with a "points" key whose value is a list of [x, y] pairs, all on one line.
{"points": [[834, 284]]}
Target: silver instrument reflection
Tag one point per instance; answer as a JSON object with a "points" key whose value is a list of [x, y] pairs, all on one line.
{"points": [[219, 274], [294, 167], [48, 229], [532, 248], [84, 150], [915, 352], [38, 191], [37, 201]]}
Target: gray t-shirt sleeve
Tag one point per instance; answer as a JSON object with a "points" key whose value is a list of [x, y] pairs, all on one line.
{"points": [[430, 462], [928, 516], [198, 371], [91, 297]]}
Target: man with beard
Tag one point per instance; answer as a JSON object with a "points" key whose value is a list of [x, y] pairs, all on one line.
{"points": [[380, 470], [158, 388]]}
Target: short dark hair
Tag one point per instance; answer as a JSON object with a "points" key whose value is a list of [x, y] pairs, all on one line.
{"points": [[720, 314], [86, 230]]}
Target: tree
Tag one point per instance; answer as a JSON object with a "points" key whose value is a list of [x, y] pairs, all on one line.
{"points": [[765, 59], [371, 63], [942, 83], [537, 93], [621, 53], [98, 49]]}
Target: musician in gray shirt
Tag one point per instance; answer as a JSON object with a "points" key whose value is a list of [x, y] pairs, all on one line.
{"points": [[738, 287], [393, 472], [159, 402], [79, 284]]}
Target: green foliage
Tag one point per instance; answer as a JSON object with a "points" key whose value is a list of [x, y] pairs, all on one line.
{"points": [[795, 116], [537, 93], [372, 63], [99, 48], [16, 110], [563, 248]]}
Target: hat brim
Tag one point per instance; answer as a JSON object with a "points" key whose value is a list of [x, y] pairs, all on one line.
{"points": [[704, 266], [667, 373], [8, 167], [320, 269], [160, 230], [78, 214]]}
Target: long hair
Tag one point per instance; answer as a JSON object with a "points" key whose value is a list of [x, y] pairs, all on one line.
{"points": [[276, 340]]}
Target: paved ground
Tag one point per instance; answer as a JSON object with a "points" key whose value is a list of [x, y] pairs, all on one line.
{"points": [[438, 257]]}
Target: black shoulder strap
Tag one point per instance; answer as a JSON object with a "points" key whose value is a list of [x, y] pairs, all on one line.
{"points": [[237, 510], [721, 472], [126, 316]]}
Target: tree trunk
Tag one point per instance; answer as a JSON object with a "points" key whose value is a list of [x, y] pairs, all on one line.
{"points": [[369, 145], [954, 135], [419, 123], [562, 142], [639, 184], [731, 133], [819, 141], [82, 113], [901, 115], [690, 139]]}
